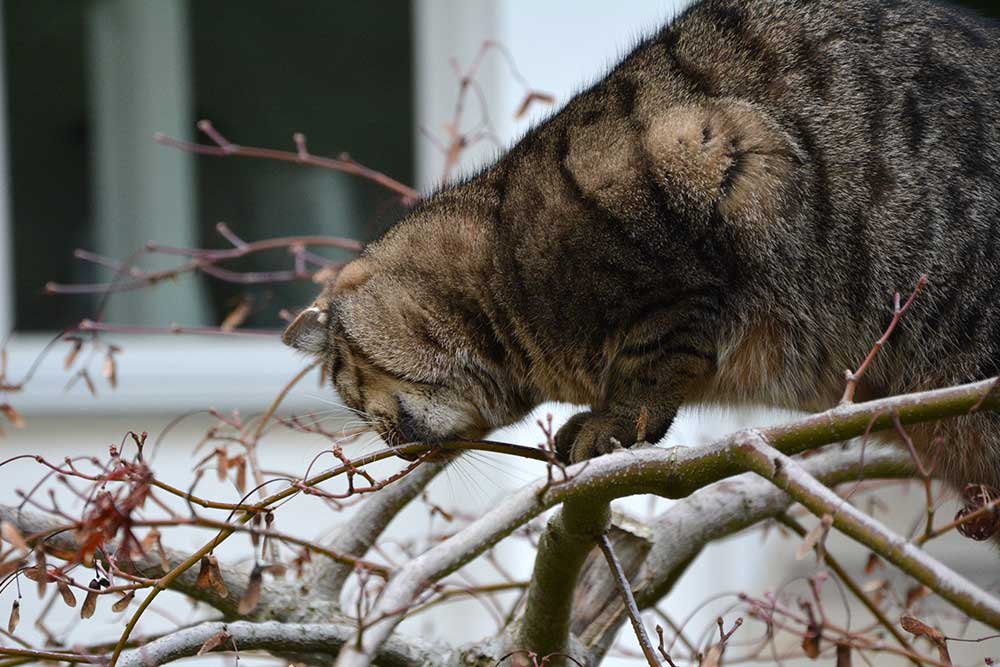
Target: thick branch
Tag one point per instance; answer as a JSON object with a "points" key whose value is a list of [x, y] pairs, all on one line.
{"points": [[672, 474], [281, 639], [569, 537], [720, 510], [788, 475]]}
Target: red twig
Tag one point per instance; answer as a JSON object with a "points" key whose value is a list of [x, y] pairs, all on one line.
{"points": [[343, 163], [898, 312]]}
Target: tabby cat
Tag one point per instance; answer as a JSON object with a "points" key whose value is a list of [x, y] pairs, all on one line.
{"points": [[723, 218]]}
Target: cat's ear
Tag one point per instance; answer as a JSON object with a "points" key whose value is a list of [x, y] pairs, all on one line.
{"points": [[352, 276], [308, 331], [728, 155]]}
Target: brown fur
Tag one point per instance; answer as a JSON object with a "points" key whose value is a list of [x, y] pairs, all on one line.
{"points": [[723, 218]]}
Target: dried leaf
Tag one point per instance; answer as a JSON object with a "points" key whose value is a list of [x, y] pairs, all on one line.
{"points": [[13, 416], [77, 345], [7, 568], [221, 463], [843, 655], [90, 383], [241, 474], [215, 577], [237, 315], [252, 594], [531, 98], [43, 569], [254, 535], [110, 370], [15, 616], [150, 540], [124, 602], [67, 593], [873, 563], [214, 642], [815, 538], [811, 640], [89, 603], [204, 579], [13, 536], [918, 628]]}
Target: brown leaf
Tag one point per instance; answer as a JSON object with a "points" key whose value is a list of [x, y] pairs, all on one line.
{"points": [[221, 463], [810, 642], [204, 579], [873, 563], [13, 416], [241, 474], [13, 536], [89, 604], [843, 655], [7, 568], [237, 315], [252, 594], [215, 577], [90, 383], [255, 526], [214, 642], [124, 602], [77, 345], [918, 628], [529, 99], [110, 370], [815, 538], [43, 569], [67, 593], [15, 616], [150, 539]]}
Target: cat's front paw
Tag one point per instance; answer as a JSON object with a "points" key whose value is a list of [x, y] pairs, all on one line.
{"points": [[587, 435]]}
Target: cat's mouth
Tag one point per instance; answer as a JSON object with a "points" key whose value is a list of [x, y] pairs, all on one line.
{"points": [[395, 438]]}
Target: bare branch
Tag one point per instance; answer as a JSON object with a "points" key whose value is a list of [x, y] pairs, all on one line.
{"points": [[322, 640], [364, 527], [788, 475], [569, 537], [344, 163]]}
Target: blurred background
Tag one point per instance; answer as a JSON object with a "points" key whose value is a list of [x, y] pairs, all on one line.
{"points": [[86, 84]]}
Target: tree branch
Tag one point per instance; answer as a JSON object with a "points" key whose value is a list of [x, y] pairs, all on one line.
{"points": [[569, 536], [36, 526], [720, 510], [788, 475], [361, 531], [324, 639], [672, 473]]}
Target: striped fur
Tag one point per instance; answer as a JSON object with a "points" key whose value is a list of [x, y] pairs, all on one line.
{"points": [[723, 218]]}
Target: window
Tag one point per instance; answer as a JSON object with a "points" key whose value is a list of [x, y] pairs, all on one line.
{"points": [[86, 86], [89, 82]]}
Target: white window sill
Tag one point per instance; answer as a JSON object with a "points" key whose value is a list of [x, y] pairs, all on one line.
{"points": [[165, 374]]}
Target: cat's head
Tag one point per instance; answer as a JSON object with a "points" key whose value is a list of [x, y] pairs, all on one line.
{"points": [[402, 345]]}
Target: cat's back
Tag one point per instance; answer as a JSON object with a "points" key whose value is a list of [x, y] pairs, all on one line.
{"points": [[772, 50]]}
